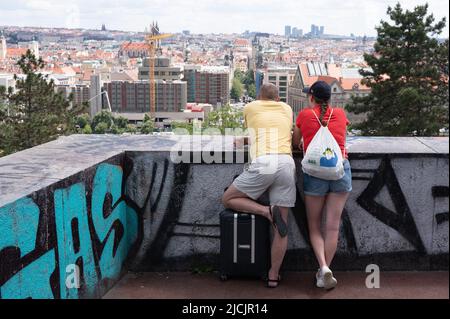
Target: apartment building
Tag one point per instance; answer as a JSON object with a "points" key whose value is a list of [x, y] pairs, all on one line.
{"points": [[134, 97]]}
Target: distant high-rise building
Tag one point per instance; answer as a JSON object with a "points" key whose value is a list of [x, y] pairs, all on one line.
{"points": [[103, 27], [316, 31], [287, 31], [281, 77], [134, 97], [297, 33], [3, 47], [95, 90], [80, 92], [212, 85], [189, 77]]}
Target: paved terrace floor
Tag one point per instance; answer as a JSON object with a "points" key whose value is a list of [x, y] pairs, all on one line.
{"points": [[295, 285]]}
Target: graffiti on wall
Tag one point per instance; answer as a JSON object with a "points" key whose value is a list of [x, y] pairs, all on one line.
{"points": [[87, 224], [189, 222], [148, 211]]}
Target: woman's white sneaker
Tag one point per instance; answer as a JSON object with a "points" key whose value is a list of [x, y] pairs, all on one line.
{"points": [[329, 282], [319, 280]]}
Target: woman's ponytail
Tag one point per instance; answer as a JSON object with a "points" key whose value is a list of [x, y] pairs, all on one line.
{"points": [[323, 108]]}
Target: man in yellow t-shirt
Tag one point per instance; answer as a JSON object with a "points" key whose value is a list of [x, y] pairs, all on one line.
{"points": [[270, 126], [272, 169]]}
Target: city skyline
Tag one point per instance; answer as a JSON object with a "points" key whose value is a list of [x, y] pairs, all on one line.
{"points": [[340, 18]]}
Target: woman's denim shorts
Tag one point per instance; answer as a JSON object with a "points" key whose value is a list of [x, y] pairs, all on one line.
{"points": [[314, 186]]}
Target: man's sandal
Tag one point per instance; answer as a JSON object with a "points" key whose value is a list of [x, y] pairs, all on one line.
{"points": [[269, 281]]}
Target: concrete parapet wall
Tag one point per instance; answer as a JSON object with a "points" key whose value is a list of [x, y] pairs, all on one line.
{"points": [[108, 204]]}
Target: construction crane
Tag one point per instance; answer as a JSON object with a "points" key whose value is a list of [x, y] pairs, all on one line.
{"points": [[153, 44]]}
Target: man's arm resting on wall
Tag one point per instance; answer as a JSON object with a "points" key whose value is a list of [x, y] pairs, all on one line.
{"points": [[240, 141]]}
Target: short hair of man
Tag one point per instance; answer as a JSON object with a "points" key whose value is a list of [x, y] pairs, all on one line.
{"points": [[269, 92]]}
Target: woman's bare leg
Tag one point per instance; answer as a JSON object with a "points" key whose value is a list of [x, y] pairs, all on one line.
{"points": [[314, 207], [335, 203]]}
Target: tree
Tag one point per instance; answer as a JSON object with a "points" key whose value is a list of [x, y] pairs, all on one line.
{"points": [[102, 128], [408, 77], [180, 127], [236, 90], [251, 91], [148, 125], [82, 121], [5, 126], [37, 114], [238, 75], [121, 122], [102, 117], [87, 129], [131, 128], [225, 117], [248, 79]]}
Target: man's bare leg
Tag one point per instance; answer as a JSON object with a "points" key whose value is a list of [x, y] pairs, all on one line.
{"points": [[236, 200], [279, 247]]}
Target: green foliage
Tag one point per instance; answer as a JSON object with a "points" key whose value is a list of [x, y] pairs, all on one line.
{"points": [[148, 125], [248, 79], [225, 117], [121, 122], [251, 91], [131, 128], [237, 89], [243, 81], [101, 128], [181, 127], [82, 120], [104, 122], [409, 77], [37, 114], [86, 129], [106, 119], [238, 75]]}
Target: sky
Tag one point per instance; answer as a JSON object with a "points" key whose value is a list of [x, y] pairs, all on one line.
{"points": [[211, 16]]}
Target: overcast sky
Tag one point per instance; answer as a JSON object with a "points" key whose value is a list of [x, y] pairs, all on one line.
{"points": [[210, 16]]}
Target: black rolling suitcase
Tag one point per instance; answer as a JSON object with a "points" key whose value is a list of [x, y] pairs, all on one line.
{"points": [[244, 245]]}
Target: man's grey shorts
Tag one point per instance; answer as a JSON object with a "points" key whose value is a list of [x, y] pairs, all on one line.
{"points": [[275, 173]]}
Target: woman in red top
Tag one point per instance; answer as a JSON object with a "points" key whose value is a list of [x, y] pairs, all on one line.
{"points": [[323, 196]]}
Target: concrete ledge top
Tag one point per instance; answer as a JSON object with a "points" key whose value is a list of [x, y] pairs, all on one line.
{"points": [[25, 172]]}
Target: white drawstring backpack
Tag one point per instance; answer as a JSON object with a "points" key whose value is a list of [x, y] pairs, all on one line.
{"points": [[323, 158]]}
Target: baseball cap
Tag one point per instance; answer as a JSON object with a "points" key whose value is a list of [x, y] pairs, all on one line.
{"points": [[320, 90]]}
